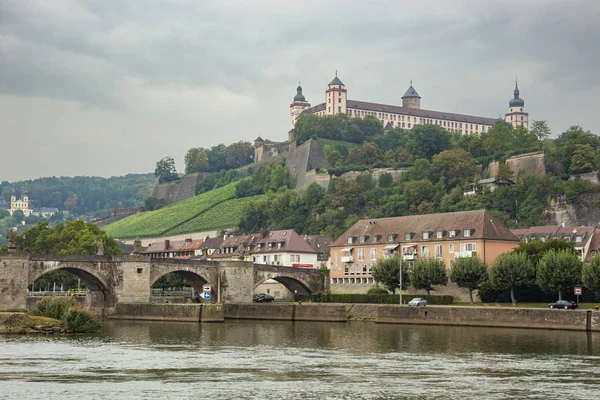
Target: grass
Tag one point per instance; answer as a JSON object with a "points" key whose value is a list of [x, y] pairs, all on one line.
{"points": [[170, 218]]}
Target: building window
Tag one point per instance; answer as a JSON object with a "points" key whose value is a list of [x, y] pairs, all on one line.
{"points": [[373, 254], [364, 271], [339, 99], [452, 234], [467, 247], [438, 250], [424, 251], [578, 239], [425, 235], [361, 254], [450, 248], [467, 233], [346, 272], [407, 236], [439, 235], [350, 240], [361, 239], [390, 237], [374, 238], [270, 245]]}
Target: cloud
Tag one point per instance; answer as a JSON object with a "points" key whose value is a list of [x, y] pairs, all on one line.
{"points": [[139, 80]]}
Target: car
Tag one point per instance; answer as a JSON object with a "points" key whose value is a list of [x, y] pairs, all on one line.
{"points": [[417, 302], [263, 298], [565, 304]]}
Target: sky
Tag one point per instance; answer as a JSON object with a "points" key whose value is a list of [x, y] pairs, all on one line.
{"points": [[99, 87]]}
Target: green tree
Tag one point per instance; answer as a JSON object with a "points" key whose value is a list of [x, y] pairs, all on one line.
{"points": [[558, 270], [239, 154], [469, 273], [333, 157], [387, 272], [536, 248], [196, 160], [504, 172], [18, 216], [428, 140], [386, 180], [428, 272], [511, 270], [165, 170], [541, 130], [152, 203], [584, 159], [591, 274], [455, 166], [217, 157]]}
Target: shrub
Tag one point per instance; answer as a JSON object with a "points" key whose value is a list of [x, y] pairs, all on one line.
{"points": [[54, 308], [376, 298], [377, 290], [78, 320]]}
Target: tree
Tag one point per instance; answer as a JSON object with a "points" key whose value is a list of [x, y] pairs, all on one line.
{"points": [[559, 270], [428, 272], [455, 166], [387, 272], [239, 154], [512, 270], [333, 157], [165, 170], [217, 157], [73, 237], [591, 274], [196, 160], [584, 159], [504, 172], [18, 216], [541, 130], [428, 140], [469, 273], [152, 203], [536, 248]]}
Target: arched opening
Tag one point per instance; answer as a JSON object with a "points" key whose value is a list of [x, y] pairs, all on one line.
{"points": [[76, 283], [283, 288], [179, 287]]}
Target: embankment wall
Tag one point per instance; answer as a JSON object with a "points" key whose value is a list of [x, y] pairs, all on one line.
{"points": [[287, 312], [169, 312]]}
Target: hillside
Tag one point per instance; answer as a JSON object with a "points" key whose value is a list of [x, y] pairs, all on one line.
{"points": [[216, 209]]}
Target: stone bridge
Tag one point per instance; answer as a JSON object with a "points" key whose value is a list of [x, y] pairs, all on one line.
{"points": [[128, 279]]}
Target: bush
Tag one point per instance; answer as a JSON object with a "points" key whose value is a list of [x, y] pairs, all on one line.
{"points": [[376, 298], [377, 290], [78, 320]]}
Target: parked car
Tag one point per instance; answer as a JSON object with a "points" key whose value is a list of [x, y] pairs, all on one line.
{"points": [[566, 304], [417, 302], [263, 298]]}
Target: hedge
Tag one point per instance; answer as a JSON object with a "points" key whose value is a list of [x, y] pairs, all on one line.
{"points": [[377, 298]]}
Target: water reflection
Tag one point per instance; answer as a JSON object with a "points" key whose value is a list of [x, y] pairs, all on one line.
{"points": [[246, 359]]}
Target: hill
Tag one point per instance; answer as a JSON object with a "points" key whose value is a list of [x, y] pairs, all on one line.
{"points": [[215, 209]]}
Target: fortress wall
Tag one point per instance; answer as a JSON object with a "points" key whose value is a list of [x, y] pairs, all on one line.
{"points": [[531, 163]]}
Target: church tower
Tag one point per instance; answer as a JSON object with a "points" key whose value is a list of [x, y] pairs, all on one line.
{"points": [[411, 98], [13, 201], [336, 97], [516, 116], [298, 105]]}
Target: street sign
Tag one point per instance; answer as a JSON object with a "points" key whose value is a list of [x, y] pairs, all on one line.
{"points": [[206, 288], [206, 295], [578, 291]]}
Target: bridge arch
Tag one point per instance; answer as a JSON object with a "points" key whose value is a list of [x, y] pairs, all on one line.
{"points": [[99, 295], [296, 286], [193, 278]]}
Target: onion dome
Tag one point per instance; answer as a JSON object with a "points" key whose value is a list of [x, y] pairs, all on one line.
{"points": [[299, 96], [516, 101]]}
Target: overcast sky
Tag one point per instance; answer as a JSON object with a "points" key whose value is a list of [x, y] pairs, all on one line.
{"points": [[99, 87]]}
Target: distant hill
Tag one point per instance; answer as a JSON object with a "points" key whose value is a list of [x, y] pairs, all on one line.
{"points": [[216, 209]]}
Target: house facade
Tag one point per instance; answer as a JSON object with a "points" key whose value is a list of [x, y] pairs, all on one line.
{"points": [[582, 237], [447, 236]]}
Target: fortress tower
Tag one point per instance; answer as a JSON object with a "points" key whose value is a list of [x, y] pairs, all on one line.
{"points": [[298, 105], [336, 97], [516, 116], [411, 98]]}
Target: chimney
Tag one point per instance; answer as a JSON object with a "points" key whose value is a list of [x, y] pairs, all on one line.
{"points": [[137, 246], [167, 243]]}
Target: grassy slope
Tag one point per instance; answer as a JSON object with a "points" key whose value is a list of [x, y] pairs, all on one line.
{"points": [[154, 223]]}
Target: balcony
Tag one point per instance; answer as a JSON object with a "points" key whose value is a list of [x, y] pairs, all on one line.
{"points": [[409, 257], [465, 254], [347, 259]]}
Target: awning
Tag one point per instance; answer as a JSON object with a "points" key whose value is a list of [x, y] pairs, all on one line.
{"points": [[347, 249], [390, 247]]}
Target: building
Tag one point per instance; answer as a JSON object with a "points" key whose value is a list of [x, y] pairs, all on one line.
{"points": [[285, 248], [321, 244], [582, 237], [516, 116], [447, 236], [21, 203], [406, 116], [490, 183], [181, 249]]}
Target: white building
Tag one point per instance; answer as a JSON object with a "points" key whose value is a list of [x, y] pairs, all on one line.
{"points": [[406, 116]]}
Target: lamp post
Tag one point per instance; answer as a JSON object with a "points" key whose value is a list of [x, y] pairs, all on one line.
{"points": [[400, 263]]}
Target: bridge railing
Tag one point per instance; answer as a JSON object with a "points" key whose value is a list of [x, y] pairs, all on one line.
{"points": [[48, 293]]}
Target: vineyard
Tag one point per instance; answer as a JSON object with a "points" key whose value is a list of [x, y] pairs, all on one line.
{"points": [[179, 215]]}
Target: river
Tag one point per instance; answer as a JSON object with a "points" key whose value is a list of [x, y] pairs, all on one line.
{"points": [[283, 360]]}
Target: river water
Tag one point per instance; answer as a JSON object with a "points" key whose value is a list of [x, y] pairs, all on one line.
{"points": [[284, 360]]}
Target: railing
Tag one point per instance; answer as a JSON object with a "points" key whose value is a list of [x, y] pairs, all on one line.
{"points": [[171, 293], [48, 293], [77, 292]]}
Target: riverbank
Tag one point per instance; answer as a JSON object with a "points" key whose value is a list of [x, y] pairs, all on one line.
{"points": [[21, 323]]}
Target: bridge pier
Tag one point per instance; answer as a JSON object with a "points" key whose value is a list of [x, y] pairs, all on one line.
{"points": [[14, 273]]}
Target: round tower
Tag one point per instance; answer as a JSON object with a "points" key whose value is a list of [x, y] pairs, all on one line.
{"points": [[411, 98], [298, 105], [516, 115], [336, 97]]}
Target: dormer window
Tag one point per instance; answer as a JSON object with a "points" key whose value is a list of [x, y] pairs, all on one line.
{"points": [[362, 239], [407, 235], [279, 245], [374, 238], [439, 235], [390, 237], [350, 240], [452, 234], [425, 235], [578, 239], [270, 245], [467, 233]]}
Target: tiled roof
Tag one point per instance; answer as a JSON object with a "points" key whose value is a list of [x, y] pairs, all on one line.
{"points": [[375, 107], [320, 243], [480, 223], [555, 231], [290, 241]]}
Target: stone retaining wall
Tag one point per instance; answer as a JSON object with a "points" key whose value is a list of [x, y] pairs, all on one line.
{"points": [[169, 312], [287, 312]]}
